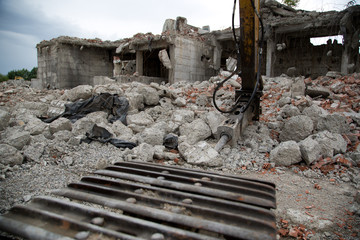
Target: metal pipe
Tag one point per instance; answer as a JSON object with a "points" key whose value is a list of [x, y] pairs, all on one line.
{"points": [[222, 141]]}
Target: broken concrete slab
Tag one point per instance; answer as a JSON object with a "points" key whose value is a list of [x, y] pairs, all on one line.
{"points": [[201, 154], [297, 128], [214, 119], [9, 155], [112, 88], [183, 116], [164, 58], [4, 119], [150, 95], [76, 93], [141, 119], [335, 123], [314, 112], [60, 124], [317, 91], [310, 150], [330, 143], [195, 131], [136, 101], [34, 151], [286, 154], [35, 126], [145, 152], [16, 137], [289, 110]]}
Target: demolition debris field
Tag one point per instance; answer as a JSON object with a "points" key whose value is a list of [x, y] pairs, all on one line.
{"points": [[306, 142]]}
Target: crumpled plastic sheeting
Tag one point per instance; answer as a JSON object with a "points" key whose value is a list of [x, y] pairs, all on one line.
{"points": [[114, 105], [102, 135]]}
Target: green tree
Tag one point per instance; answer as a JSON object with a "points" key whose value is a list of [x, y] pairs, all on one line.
{"points": [[291, 3], [3, 78], [33, 73], [24, 73]]}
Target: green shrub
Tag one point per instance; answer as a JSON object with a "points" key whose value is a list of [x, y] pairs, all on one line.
{"points": [[3, 78], [24, 73]]}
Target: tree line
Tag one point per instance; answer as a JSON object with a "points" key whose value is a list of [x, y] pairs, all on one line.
{"points": [[23, 73]]}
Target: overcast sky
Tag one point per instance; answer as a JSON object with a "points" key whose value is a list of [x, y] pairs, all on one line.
{"points": [[24, 23]]}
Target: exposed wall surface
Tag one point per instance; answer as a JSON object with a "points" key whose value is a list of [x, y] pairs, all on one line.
{"points": [[309, 60], [67, 66], [47, 66], [190, 61]]}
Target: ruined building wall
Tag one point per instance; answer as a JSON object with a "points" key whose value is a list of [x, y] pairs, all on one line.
{"points": [[47, 65], [190, 61], [309, 60], [67, 66]]}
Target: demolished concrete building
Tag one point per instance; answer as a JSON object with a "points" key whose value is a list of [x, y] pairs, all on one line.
{"points": [[184, 52]]}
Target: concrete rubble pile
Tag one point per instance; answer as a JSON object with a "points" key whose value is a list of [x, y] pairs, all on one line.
{"points": [[303, 121], [309, 126]]}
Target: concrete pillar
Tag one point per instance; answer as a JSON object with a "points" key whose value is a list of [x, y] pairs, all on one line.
{"points": [[270, 55], [140, 62], [172, 59], [345, 59]]}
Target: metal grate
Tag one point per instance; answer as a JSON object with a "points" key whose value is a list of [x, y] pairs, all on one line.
{"points": [[137, 200]]}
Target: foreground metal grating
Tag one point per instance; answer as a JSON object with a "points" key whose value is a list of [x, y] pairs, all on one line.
{"points": [[136, 200]]}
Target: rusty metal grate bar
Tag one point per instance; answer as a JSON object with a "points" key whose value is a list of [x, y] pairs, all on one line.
{"points": [[136, 200]]}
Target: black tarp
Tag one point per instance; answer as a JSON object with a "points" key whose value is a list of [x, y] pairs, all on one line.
{"points": [[102, 135], [116, 107]]}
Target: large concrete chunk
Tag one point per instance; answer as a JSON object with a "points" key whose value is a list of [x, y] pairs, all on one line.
{"points": [[214, 119], [136, 101], [153, 136], [200, 154], [4, 119], [310, 150], [297, 128], [145, 152], [150, 95], [330, 143], [334, 123], [195, 131], [35, 126], [286, 154], [314, 112], [289, 111], [60, 125], [76, 93], [183, 116], [16, 137], [141, 119], [10, 155]]}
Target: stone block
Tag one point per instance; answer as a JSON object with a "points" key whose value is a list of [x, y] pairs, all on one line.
{"points": [[9, 155], [297, 128], [4, 119], [330, 143], [310, 150], [201, 154], [141, 119], [286, 154], [16, 137], [60, 124], [195, 131], [334, 123]]}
